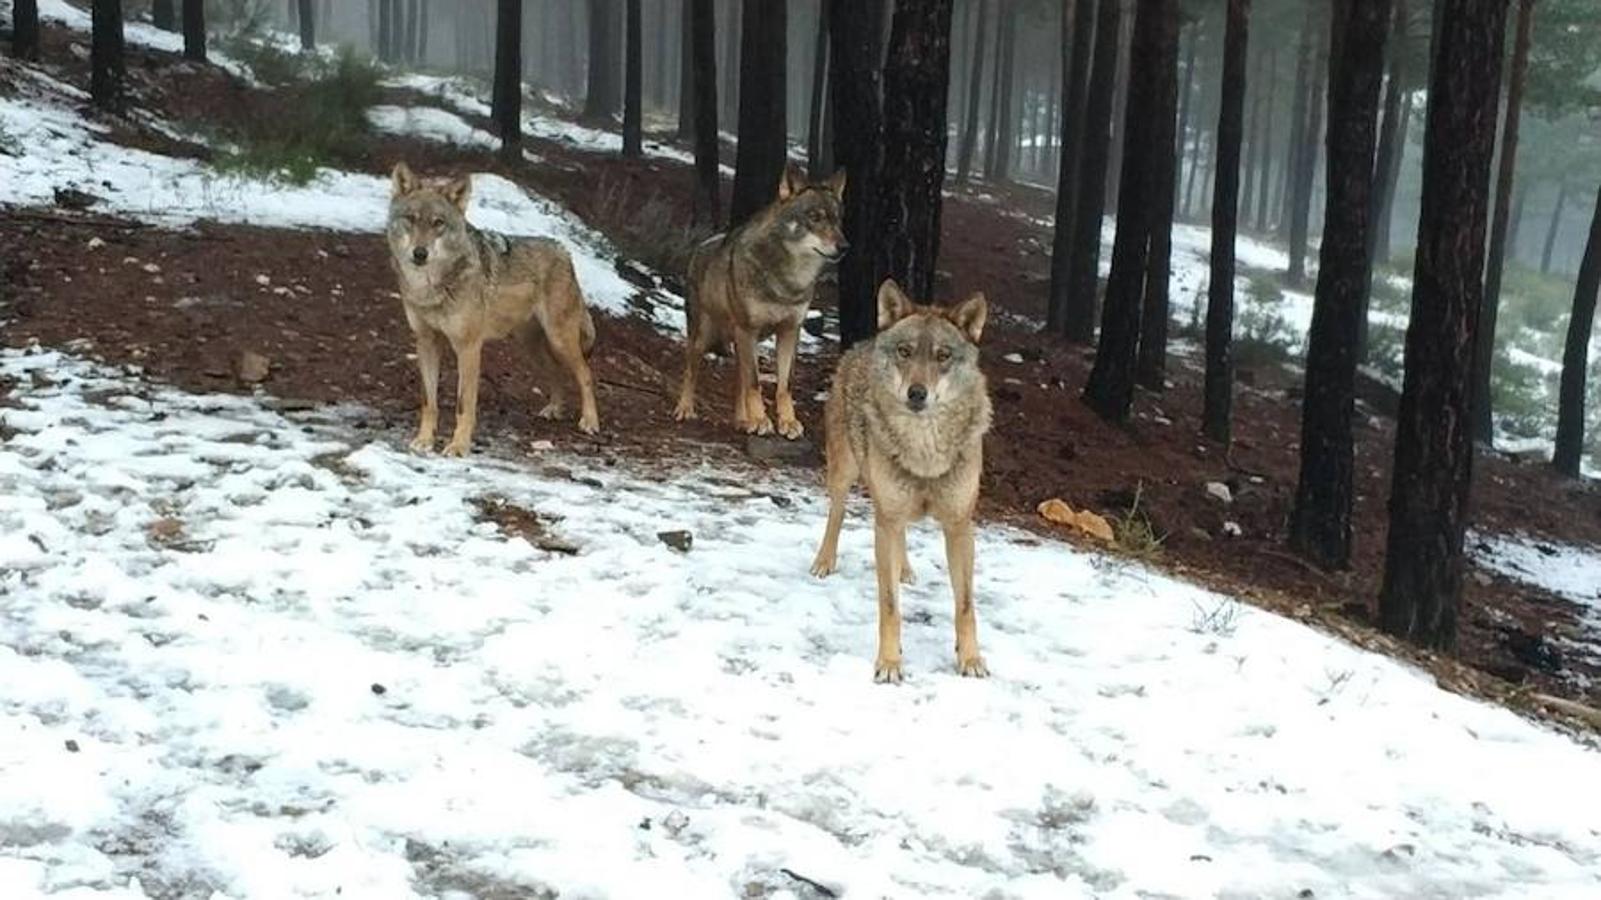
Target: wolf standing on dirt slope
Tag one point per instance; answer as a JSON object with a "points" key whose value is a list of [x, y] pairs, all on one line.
{"points": [[906, 415], [756, 280], [469, 286]]}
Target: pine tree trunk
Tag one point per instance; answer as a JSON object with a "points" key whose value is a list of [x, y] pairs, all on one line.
{"points": [[308, 25], [1152, 60], [1484, 338], [703, 52], [1320, 522], [108, 74], [853, 84], [421, 56], [1306, 168], [658, 91], [1186, 88], [1084, 264], [508, 77], [1515, 226], [1076, 73], [998, 166], [1264, 187], [1392, 180], [814, 117], [1151, 365], [1217, 411], [912, 177], [1575, 356], [983, 12], [732, 35], [194, 30], [994, 128], [598, 94], [1433, 445], [1554, 229], [1253, 134], [686, 72], [163, 13], [763, 146], [1387, 168], [1299, 111], [633, 93]]}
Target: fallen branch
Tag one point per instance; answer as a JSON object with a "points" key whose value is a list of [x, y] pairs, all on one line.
{"points": [[1292, 558], [1589, 715], [819, 887]]}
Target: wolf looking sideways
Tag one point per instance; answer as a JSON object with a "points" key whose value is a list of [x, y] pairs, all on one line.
{"points": [[907, 415], [759, 279], [467, 286]]}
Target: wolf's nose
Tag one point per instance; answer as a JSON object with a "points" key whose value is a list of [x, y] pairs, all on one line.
{"points": [[419, 255], [916, 396], [841, 246]]}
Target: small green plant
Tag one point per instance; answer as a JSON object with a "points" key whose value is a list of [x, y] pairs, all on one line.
{"points": [[1265, 338], [270, 63], [1519, 396], [1133, 532], [1386, 351]]}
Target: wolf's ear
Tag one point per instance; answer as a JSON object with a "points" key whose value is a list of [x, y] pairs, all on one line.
{"points": [[458, 191], [970, 315], [836, 183], [405, 179], [790, 183], [893, 304]]}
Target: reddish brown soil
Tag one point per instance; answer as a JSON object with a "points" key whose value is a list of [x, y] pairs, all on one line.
{"points": [[328, 320]]}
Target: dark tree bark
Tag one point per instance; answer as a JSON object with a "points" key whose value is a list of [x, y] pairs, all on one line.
{"points": [[816, 149], [1391, 146], [1253, 134], [732, 36], [308, 25], [763, 147], [600, 95], [975, 83], [1570, 398], [1306, 166], [508, 77], [686, 71], [1515, 225], [633, 95], [1151, 365], [658, 91], [998, 165], [912, 179], [194, 30], [1084, 264], [108, 73], [1217, 411], [1076, 74], [1320, 522], [25, 29], [1484, 338], [421, 53], [1186, 89], [703, 49], [163, 13], [1152, 61], [1391, 182], [1554, 229], [853, 82], [1264, 188], [1433, 444], [1299, 111]]}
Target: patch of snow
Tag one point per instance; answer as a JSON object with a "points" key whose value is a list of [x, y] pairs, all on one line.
{"points": [[430, 123], [140, 34], [329, 677], [1567, 570]]}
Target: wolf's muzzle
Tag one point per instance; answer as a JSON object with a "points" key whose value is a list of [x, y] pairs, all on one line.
{"points": [[839, 251], [917, 397], [419, 256]]}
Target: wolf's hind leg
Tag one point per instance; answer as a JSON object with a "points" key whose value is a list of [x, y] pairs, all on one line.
{"points": [[695, 347], [552, 380]]}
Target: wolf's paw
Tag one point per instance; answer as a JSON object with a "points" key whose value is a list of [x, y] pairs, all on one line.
{"points": [[790, 428], [555, 409], [422, 444], [589, 423], [972, 666], [907, 575], [887, 671], [458, 447], [685, 411], [762, 426], [824, 566]]}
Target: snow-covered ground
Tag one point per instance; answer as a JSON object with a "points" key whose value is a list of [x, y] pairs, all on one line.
{"points": [[272, 656], [1570, 571]]}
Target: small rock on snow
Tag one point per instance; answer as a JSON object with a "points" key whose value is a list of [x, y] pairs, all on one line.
{"points": [[678, 540], [1233, 529], [1219, 491]]}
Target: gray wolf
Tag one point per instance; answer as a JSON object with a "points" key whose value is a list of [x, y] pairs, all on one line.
{"points": [[465, 286], [907, 415], [758, 280]]}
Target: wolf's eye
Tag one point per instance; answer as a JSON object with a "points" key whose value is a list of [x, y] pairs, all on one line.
{"points": [[815, 216], [904, 351], [439, 222], [943, 354]]}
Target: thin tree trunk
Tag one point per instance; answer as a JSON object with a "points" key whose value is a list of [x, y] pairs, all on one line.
{"points": [[1392, 180], [658, 88], [1151, 365], [1185, 91], [763, 145], [998, 167], [194, 30], [508, 77], [422, 33], [984, 11], [1484, 338], [599, 94], [163, 13], [1575, 356], [1299, 112], [853, 83], [1217, 411], [1320, 522], [1433, 468], [1265, 182], [992, 132], [108, 73], [1076, 72], [731, 61], [1306, 170], [1084, 264], [703, 49], [686, 72], [308, 25], [814, 117], [1515, 225], [1555, 228], [1391, 146], [1253, 132], [633, 93], [1153, 57], [1114, 168], [916, 87]]}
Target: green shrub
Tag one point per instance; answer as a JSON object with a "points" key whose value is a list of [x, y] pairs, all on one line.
{"points": [[319, 123], [1520, 397], [1264, 337], [1386, 351]]}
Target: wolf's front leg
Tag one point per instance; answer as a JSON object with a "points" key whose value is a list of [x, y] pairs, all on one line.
{"points": [[788, 341], [889, 547], [750, 413], [468, 355], [428, 352], [959, 560]]}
